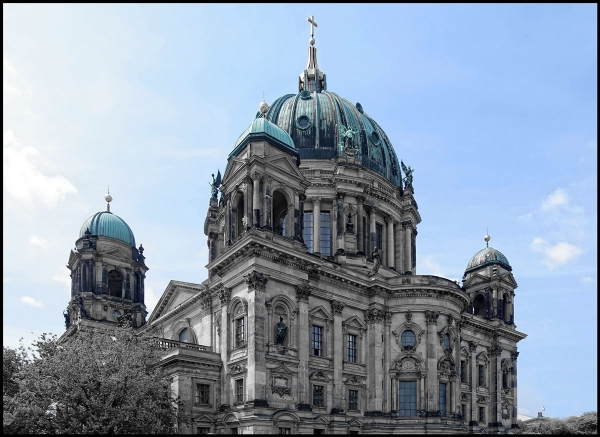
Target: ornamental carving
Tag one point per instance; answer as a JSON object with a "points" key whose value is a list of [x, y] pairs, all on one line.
{"points": [[302, 292], [237, 368], [514, 355], [374, 315], [337, 307], [387, 318], [450, 319], [431, 317], [495, 351], [464, 397], [472, 346], [353, 380], [224, 295], [206, 304], [256, 281], [408, 315]]}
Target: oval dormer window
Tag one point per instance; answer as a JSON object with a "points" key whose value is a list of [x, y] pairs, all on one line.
{"points": [[303, 122], [374, 137]]}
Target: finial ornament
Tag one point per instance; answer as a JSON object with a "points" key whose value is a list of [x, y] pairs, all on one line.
{"points": [[108, 199], [487, 238], [263, 107], [313, 24]]}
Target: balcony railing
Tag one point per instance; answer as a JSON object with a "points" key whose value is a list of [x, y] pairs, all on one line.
{"points": [[163, 343]]}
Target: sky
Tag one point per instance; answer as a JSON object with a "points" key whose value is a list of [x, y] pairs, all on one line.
{"points": [[494, 106]]}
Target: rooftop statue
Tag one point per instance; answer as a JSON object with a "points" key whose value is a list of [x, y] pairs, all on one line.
{"points": [[350, 149], [408, 172], [214, 187], [376, 255]]}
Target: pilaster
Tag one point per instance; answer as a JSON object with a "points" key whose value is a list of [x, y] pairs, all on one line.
{"points": [[431, 358], [337, 308], [303, 292]]}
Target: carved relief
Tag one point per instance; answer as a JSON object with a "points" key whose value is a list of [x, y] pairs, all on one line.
{"points": [[408, 315], [237, 368], [224, 295], [374, 315], [431, 317], [302, 292], [337, 307]]}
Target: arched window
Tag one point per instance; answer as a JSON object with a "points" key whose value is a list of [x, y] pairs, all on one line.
{"points": [[479, 306], [115, 283], [280, 208], [240, 211], [184, 335], [408, 339], [446, 341], [505, 310]]}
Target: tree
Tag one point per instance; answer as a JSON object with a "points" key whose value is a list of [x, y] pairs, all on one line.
{"points": [[587, 423], [95, 382]]}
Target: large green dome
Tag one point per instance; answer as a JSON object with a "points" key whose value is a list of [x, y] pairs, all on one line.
{"points": [[489, 255], [313, 120], [107, 224]]}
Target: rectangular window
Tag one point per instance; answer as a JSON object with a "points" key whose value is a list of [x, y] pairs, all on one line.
{"points": [[202, 430], [239, 332], [307, 232], [482, 414], [202, 394], [285, 430], [442, 399], [325, 234], [463, 410], [351, 348], [463, 371], [481, 375], [379, 235], [317, 341], [239, 390], [318, 396], [505, 380], [353, 399], [234, 430], [408, 399]]}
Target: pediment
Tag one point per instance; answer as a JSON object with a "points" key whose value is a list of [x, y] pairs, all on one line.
{"points": [[282, 368], [482, 356], [174, 295], [510, 279], [354, 322], [477, 278], [204, 418], [285, 164], [320, 313], [319, 375]]}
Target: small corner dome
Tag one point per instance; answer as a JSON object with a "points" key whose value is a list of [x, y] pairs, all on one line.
{"points": [[107, 224], [486, 256], [262, 127]]}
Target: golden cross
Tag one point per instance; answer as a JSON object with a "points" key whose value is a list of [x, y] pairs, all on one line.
{"points": [[313, 24]]}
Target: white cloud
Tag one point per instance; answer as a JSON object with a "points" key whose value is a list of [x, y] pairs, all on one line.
{"points": [[556, 199], [36, 241], [32, 302], [555, 255], [150, 299], [65, 279], [587, 280], [23, 181]]}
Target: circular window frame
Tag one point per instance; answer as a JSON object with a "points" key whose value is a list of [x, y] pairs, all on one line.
{"points": [[375, 141], [414, 339], [302, 118]]}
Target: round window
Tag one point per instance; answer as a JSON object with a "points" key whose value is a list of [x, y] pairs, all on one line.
{"points": [[446, 341], [183, 335], [374, 137], [408, 339], [303, 122]]}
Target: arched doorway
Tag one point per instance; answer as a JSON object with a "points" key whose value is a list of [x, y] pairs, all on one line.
{"points": [[280, 216], [115, 283]]}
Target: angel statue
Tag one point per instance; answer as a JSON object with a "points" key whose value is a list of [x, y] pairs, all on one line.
{"points": [[214, 187], [408, 172], [350, 149]]}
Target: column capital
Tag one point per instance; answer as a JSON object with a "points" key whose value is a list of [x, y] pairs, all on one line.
{"points": [[389, 219], [514, 355], [336, 307], [340, 195], [472, 346], [303, 291], [360, 199], [256, 281], [495, 351], [316, 200], [224, 295], [213, 235], [431, 317], [407, 223], [302, 197], [374, 315], [255, 176]]}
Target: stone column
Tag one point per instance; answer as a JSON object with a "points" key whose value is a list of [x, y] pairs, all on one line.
{"points": [[432, 380], [513, 384], [394, 395], [496, 389], [302, 293], [340, 220], [248, 195], [390, 241], [399, 248], [227, 237], [374, 318], [301, 198], [212, 246], [338, 354], [407, 246], [256, 377], [291, 222], [387, 391], [268, 212], [473, 380], [224, 295], [256, 198], [371, 231], [317, 225], [360, 200]]}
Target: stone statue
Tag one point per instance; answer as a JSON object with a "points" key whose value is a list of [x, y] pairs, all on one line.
{"points": [[281, 331], [408, 172], [349, 224], [214, 187], [376, 256], [347, 134]]}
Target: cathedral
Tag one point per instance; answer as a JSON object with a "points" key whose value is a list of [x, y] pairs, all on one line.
{"points": [[314, 319]]}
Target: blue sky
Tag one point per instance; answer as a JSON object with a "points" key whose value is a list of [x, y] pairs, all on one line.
{"points": [[494, 106]]}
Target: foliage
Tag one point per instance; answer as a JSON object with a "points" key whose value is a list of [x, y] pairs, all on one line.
{"points": [[587, 423], [94, 382]]}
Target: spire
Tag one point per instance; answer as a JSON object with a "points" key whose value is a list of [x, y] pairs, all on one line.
{"points": [[108, 199], [312, 79]]}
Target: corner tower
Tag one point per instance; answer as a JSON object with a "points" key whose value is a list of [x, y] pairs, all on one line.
{"points": [[107, 274]]}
